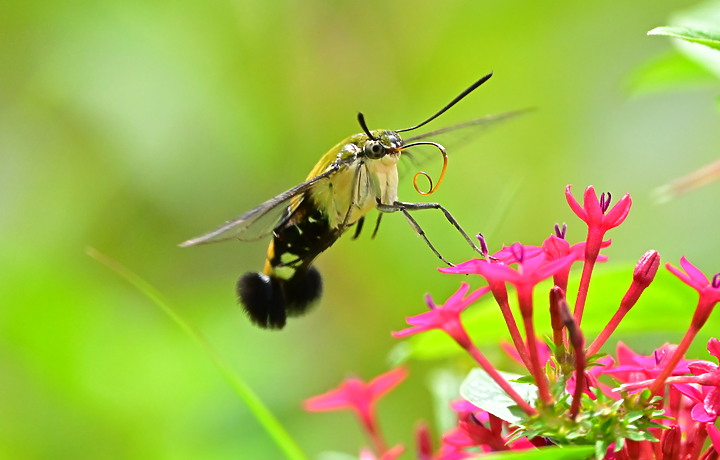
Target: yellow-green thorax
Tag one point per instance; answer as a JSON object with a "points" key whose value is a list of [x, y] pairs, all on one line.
{"points": [[367, 175]]}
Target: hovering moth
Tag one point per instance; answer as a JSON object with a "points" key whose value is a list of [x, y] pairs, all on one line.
{"points": [[358, 174]]}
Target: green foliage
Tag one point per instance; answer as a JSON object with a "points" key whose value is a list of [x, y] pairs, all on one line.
{"points": [[709, 38], [601, 421], [481, 390], [687, 64]]}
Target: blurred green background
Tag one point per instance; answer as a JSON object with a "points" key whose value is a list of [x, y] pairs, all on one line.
{"points": [[132, 126]]}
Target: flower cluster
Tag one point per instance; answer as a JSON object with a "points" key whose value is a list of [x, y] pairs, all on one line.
{"points": [[629, 406]]}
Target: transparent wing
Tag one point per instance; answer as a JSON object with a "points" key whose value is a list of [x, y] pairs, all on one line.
{"points": [[478, 124], [454, 136], [261, 221]]}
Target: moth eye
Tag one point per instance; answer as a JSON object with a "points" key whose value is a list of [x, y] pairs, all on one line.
{"points": [[374, 150]]}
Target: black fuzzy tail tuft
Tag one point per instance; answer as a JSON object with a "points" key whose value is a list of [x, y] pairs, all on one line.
{"points": [[268, 301], [302, 290], [263, 299]]}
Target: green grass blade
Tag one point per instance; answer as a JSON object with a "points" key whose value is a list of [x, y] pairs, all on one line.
{"points": [[263, 415]]}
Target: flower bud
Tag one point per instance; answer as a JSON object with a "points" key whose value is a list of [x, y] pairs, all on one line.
{"points": [[646, 268]]}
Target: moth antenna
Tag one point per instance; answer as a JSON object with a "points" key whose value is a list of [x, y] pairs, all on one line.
{"points": [[469, 90], [363, 125]]}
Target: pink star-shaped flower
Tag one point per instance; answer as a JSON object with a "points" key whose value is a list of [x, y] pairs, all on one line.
{"points": [[709, 290], [707, 399], [633, 367], [358, 396], [445, 317], [533, 266], [598, 216], [709, 296], [596, 213]]}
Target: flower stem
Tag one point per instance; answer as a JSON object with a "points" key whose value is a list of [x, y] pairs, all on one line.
{"points": [[374, 435], [583, 289], [607, 331], [536, 368], [500, 294], [673, 361]]}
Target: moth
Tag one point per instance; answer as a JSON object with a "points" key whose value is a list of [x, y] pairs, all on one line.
{"points": [[357, 175]]}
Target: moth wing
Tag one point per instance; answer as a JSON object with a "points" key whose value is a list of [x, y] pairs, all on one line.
{"points": [[264, 219]]}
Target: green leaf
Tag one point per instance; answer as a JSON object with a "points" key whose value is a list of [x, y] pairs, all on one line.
{"points": [[697, 31], [546, 453], [600, 449], [481, 390], [673, 69], [707, 37]]}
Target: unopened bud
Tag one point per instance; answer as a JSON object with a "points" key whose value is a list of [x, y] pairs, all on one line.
{"points": [[646, 268], [670, 442]]}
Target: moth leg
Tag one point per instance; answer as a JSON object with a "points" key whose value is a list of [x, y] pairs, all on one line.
{"points": [[405, 208], [377, 225], [358, 227]]}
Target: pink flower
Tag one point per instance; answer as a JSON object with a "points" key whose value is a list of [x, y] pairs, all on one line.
{"points": [[357, 395], [700, 412], [597, 213], [390, 454], [360, 397], [707, 407], [533, 266], [633, 367], [445, 317], [714, 434], [709, 290], [599, 219]]}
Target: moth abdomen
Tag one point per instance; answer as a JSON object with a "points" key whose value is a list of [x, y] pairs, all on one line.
{"points": [[302, 291], [262, 299], [269, 300]]}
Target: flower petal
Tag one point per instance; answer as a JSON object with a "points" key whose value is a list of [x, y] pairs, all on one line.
{"points": [[619, 212], [714, 434], [574, 205], [713, 347], [592, 204], [387, 381], [689, 391], [694, 273], [699, 414]]}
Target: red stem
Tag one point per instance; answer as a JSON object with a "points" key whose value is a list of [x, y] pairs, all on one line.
{"points": [[608, 330], [536, 369], [374, 435], [583, 289], [680, 351], [500, 294]]}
